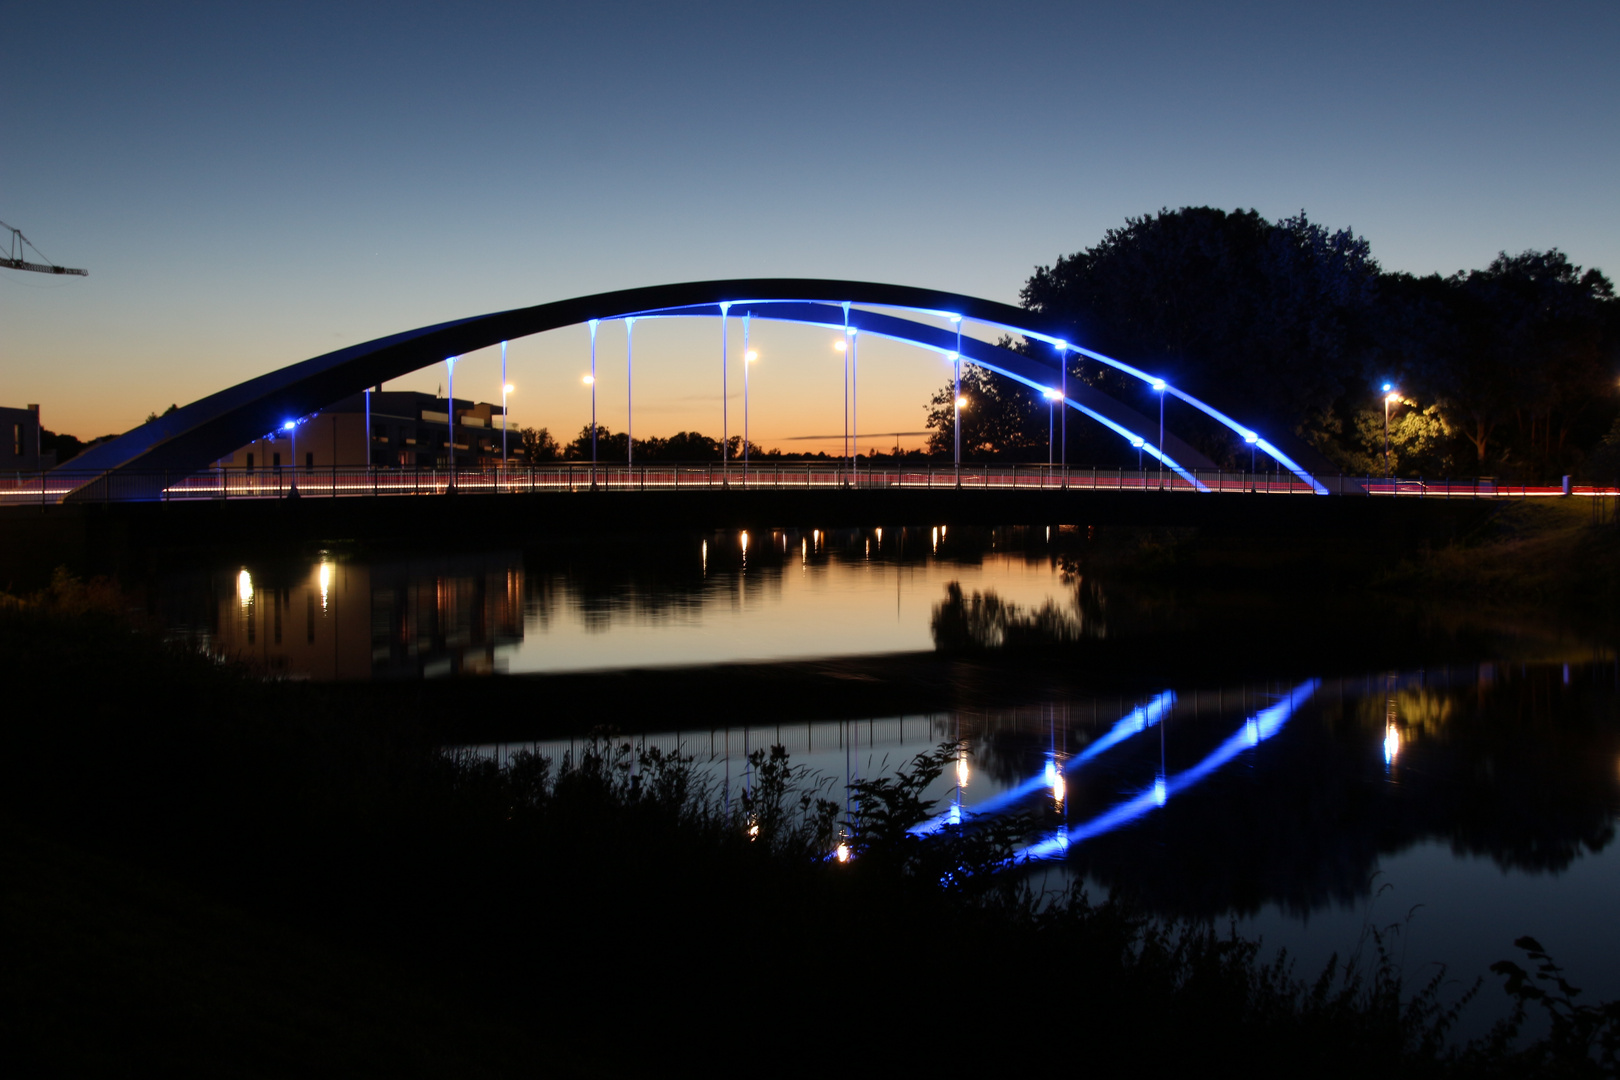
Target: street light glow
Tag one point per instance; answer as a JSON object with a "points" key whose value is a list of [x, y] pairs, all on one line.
{"points": [[507, 389], [840, 345], [591, 379], [1158, 384], [289, 425], [753, 354], [961, 403]]}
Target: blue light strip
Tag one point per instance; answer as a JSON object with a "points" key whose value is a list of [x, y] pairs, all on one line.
{"points": [[1147, 447], [1134, 722], [1247, 434], [1257, 728]]}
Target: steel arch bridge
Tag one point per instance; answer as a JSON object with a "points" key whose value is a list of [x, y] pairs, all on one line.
{"points": [[191, 438]]}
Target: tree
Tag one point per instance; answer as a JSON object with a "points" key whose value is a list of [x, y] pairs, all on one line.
{"points": [[536, 445], [1265, 320], [1003, 418]]}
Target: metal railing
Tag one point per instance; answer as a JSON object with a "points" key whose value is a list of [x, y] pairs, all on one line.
{"points": [[59, 485]]}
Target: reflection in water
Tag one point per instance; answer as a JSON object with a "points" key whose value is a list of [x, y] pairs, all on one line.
{"points": [[1277, 805], [720, 598]]}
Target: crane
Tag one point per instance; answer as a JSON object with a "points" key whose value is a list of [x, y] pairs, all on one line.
{"points": [[13, 259]]}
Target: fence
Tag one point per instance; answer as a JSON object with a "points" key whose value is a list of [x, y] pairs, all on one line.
{"points": [[23, 489]]}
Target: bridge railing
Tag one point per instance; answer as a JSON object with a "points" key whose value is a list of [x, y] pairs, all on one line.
{"points": [[59, 485]]}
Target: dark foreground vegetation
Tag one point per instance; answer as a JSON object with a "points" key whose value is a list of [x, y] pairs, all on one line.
{"points": [[206, 870]]}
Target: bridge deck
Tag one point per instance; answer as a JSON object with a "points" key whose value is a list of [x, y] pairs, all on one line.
{"points": [[23, 489]]}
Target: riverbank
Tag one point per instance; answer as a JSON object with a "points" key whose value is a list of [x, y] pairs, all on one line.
{"points": [[344, 884]]}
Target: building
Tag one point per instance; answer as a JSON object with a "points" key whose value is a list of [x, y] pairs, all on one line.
{"points": [[19, 441], [408, 430]]}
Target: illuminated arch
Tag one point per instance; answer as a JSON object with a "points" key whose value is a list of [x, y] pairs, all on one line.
{"points": [[190, 439]]}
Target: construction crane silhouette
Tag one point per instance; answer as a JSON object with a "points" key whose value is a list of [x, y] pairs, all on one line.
{"points": [[14, 256]]}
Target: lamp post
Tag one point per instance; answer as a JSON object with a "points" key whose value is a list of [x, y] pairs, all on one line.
{"points": [[291, 428], [1063, 396], [1138, 442], [1158, 384], [725, 392], [590, 381], [1389, 396], [506, 388], [1052, 398], [749, 356], [450, 362], [629, 392], [854, 404], [956, 417], [842, 347]]}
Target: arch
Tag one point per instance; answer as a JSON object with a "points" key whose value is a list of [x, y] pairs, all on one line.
{"points": [[191, 438]]}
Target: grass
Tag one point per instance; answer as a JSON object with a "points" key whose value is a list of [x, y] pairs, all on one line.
{"points": [[210, 871]]}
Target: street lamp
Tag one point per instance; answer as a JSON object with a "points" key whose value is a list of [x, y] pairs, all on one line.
{"points": [[590, 381], [1138, 442], [291, 428], [450, 363], [506, 388], [749, 356], [843, 350], [1052, 398], [1389, 396], [1158, 385], [956, 423], [1063, 394]]}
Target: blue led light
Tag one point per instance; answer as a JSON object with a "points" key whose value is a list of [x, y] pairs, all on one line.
{"points": [[1388, 387], [1158, 384], [289, 425], [1137, 442], [1250, 437]]}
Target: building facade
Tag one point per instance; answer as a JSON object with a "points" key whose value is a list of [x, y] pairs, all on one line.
{"points": [[19, 441], [407, 429]]}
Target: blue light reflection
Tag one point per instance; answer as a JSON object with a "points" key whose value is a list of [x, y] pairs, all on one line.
{"points": [[1134, 722], [1264, 724]]}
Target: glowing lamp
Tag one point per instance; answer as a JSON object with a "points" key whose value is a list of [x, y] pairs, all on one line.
{"points": [[840, 345], [1388, 387], [1250, 437], [753, 354], [589, 379], [1138, 442], [961, 403], [1158, 384], [289, 425], [507, 389]]}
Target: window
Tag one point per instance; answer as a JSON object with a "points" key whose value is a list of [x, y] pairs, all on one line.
{"points": [[250, 461], [16, 439], [276, 459], [309, 461]]}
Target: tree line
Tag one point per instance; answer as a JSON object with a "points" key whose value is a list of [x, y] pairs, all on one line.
{"points": [[1513, 369]]}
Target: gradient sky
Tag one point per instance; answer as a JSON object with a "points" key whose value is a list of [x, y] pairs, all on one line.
{"points": [[254, 184]]}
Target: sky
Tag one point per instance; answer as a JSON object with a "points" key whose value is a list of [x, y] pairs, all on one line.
{"points": [[251, 185]]}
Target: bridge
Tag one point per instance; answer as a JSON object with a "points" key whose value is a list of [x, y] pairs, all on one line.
{"points": [[170, 457]]}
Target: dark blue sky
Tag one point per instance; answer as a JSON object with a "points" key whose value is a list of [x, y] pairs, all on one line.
{"points": [[253, 184]]}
